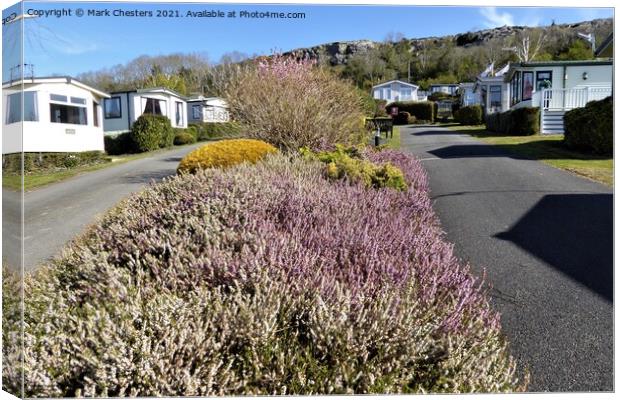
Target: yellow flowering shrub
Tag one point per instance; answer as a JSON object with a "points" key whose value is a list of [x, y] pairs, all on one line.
{"points": [[349, 163], [225, 153]]}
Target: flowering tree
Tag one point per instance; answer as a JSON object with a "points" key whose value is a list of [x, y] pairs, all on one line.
{"points": [[293, 103]]}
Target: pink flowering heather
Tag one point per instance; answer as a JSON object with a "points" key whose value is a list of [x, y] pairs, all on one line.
{"points": [[293, 103], [265, 279], [284, 68]]}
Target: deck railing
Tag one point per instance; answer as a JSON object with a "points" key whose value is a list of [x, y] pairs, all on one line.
{"points": [[567, 99]]}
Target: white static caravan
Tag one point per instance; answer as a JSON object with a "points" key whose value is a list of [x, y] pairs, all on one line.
{"points": [[558, 86], [491, 90], [563, 80], [122, 109], [395, 91], [467, 95], [60, 114], [207, 109]]}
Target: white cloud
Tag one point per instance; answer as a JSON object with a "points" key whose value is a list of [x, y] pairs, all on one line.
{"points": [[494, 18]]}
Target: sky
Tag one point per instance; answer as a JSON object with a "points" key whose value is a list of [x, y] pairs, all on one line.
{"points": [[70, 45]]}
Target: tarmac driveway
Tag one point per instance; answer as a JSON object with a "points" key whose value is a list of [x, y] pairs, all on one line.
{"points": [[55, 214], [545, 238]]}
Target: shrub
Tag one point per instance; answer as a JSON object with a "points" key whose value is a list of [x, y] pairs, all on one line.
{"points": [[225, 153], [524, 121], [436, 96], [421, 110], [350, 164], [370, 106], [456, 105], [293, 103], [11, 163], [518, 122], [182, 137], [403, 118], [213, 130], [192, 130], [151, 132], [167, 137], [590, 128], [379, 108], [256, 280], [119, 144], [469, 115]]}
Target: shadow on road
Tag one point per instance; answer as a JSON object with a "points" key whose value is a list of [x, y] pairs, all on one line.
{"points": [[532, 150], [147, 177], [173, 159], [472, 151], [574, 234]]}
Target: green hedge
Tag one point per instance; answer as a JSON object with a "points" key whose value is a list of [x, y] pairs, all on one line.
{"points": [[182, 137], [436, 96], [167, 136], [403, 118], [469, 115], [211, 130], [591, 127], [151, 132], [119, 144], [523, 121], [421, 110], [11, 163]]}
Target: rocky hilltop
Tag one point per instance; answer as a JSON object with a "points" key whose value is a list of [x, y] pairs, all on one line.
{"points": [[338, 53]]}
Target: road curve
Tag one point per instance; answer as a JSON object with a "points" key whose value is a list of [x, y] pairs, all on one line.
{"points": [[55, 214]]}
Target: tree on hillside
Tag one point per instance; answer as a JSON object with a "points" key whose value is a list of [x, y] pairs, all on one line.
{"points": [[173, 82], [526, 46], [366, 68], [577, 50]]}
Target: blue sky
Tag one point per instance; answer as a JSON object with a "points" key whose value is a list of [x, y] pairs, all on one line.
{"points": [[70, 45]]}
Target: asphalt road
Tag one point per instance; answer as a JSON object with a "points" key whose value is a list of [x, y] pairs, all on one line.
{"points": [[545, 238], [55, 214]]}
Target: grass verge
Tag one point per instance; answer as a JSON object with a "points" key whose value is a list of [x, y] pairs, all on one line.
{"points": [[549, 150], [394, 141], [38, 179]]}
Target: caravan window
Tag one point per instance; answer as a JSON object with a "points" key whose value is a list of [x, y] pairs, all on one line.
{"points": [[179, 113], [112, 107], [495, 96], [14, 107], [515, 83], [58, 97], [153, 106], [196, 111], [95, 113], [406, 93], [543, 79], [78, 100], [528, 85], [66, 114]]}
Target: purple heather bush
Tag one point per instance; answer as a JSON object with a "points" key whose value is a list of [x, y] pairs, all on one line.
{"points": [[292, 103], [263, 279]]}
